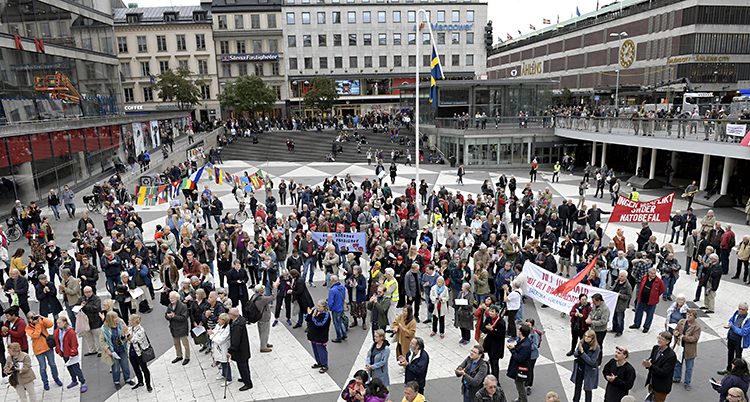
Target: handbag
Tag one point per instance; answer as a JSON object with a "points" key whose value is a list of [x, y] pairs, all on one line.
{"points": [[13, 379], [82, 322], [523, 373], [164, 298], [50, 341], [148, 354]]}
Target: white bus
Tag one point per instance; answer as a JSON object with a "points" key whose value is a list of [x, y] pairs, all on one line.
{"points": [[702, 101]]}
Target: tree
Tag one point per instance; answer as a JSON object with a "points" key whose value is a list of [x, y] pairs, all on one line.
{"points": [[248, 94], [322, 94], [177, 87], [566, 96]]}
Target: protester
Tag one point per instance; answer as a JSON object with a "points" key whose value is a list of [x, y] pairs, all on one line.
{"points": [[66, 346], [585, 366], [620, 376], [415, 364], [38, 330], [377, 358], [660, 366], [686, 335], [318, 321]]}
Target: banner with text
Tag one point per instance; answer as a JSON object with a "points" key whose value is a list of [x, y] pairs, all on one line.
{"points": [[541, 284], [657, 210], [347, 241]]}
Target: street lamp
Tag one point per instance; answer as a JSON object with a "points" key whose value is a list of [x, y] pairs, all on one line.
{"points": [[299, 92], [619, 37]]}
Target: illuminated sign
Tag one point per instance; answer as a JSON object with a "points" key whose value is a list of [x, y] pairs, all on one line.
{"points": [[131, 108], [448, 27], [348, 87], [700, 58], [249, 57]]}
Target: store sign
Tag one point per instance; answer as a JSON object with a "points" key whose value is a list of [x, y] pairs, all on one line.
{"points": [[152, 107], [699, 58], [448, 27], [133, 108], [532, 68], [229, 58], [43, 66]]}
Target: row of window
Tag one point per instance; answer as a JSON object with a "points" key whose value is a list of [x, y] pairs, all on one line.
{"points": [[164, 65], [366, 1], [380, 16], [148, 93], [382, 38], [239, 21], [242, 69], [161, 43], [241, 46], [715, 43], [338, 62]]}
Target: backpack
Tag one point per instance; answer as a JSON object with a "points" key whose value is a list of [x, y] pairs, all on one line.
{"points": [[251, 313]]}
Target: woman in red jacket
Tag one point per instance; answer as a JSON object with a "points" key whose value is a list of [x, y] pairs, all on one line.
{"points": [[578, 315], [66, 345]]}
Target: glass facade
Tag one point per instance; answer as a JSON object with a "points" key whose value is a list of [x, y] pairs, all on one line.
{"points": [[80, 80]]}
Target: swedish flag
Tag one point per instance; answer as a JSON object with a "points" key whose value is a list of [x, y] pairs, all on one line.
{"points": [[436, 73]]}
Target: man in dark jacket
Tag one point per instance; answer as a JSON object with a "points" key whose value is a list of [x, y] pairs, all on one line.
{"points": [[91, 305], [712, 279], [300, 295], [415, 363], [239, 347], [643, 235], [177, 315], [112, 267], [660, 366], [472, 371], [490, 392], [18, 285]]}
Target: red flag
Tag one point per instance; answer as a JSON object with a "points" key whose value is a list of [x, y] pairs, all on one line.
{"points": [[508, 36], [566, 287], [657, 210], [39, 45], [746, 141], [17, 40]]}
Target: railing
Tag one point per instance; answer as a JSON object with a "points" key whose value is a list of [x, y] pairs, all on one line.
{"points": [[723, 130], [489, 123]]}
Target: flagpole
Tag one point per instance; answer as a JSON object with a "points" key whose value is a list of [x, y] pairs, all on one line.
{"points": [[423, 13]]}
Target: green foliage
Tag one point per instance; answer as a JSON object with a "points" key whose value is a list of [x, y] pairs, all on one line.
{"points": [[248, 94], [566, 96], [322, 94], [178, 87]]}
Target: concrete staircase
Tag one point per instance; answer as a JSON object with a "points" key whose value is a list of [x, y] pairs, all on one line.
{"points": [[310, 146]]}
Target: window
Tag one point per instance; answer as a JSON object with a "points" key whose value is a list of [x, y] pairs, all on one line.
{"points": [[455, 16], [381, 16], [271, 20], [122, 45], [441, 16], [321, 17], [125, 69], [397, 16], [183, 64], [205, 91], [259, 70], [367, 39], [181, 44], [257, 46], [411, 16], [163, 66], [161, 43], [291, 41], [226, 70], [383, 61], [129, 95], [338, 62], [145, 69], [441, 38], [368, 61], [382, 39], [455, 38], [336, 17], [170, 17], [306, 40], [397, 39], [222, 22], [277, 90], [273, 45], [366, 17], [203, 67], [306, 18], [142, 47], [426, 60], [352, 61], [322, 40], [426, 38], [469, 15], [336, 39], [133, 18], [469, 59], [412, 61], [224, 47], [199, 16], [290, 18], [254, 21], [470, 38], [412, 38], [292, 63], [239, 21], [323, 62], [275, 69], [148, 94], [352, 39], [396, 61], [241, 46], [200, 41], [456, 60], [308, 63], [242, 69], [351, 17]]}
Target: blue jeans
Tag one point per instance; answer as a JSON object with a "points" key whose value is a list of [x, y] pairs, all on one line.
{"points": [[71, 314], [120, 364], [669, 282], [226, 371], [55, 210], [321, 353], [688, 370], [112, 282], [618, 322], [309, 266], [640, 308], [338, 324], [71, 208], [48, 356]]}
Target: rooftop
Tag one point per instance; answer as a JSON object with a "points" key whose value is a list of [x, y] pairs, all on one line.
{"points": [[155, 15]]}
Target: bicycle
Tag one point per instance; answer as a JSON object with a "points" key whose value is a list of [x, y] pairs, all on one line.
{"points": [[241, 215], [94, 204], [14, 231]]}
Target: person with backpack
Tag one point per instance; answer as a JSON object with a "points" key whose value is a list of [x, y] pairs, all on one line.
{"points": [[258, 311]]}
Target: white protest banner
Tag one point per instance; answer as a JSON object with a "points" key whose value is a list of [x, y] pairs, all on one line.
{"points": [[737, 130], [541, 283]]}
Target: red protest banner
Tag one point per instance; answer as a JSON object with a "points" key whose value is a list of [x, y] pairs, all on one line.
{"points": [[657, 210]]}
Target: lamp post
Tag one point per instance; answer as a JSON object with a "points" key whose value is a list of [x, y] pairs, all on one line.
{"points": [[619, 37], [299, 92]]}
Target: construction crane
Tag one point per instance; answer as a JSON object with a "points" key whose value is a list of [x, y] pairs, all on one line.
{"points": [[58, 86]]}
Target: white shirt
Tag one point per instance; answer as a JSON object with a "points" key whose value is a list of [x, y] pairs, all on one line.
{"points": [[514, 300]]}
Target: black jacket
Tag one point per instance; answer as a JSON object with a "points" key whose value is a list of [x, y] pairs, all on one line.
{"points": [[318, 327], [239, 345], [301, 295], [91, 309], [661, 370], [417, 369], [178, 325]]}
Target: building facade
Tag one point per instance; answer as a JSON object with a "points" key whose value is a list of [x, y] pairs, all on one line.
{"points": [[653, 44], [369, 47], [151, 41], [248, 40]]}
